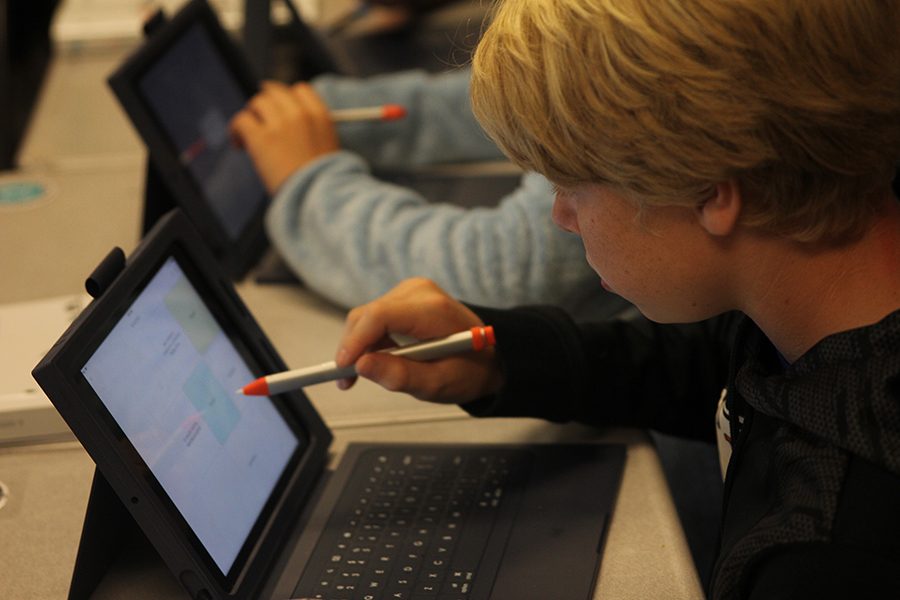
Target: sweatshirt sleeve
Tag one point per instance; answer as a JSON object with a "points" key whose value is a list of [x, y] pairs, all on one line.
{"points": [[351, 238], [632, 373], [439, 126]]}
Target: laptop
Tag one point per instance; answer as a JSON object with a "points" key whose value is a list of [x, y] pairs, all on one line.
{"points": [[27, 330], [234, 492], [182, 87]]}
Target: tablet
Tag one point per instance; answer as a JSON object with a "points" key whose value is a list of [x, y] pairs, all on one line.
{"points": [[146, 378], [180, 89]]}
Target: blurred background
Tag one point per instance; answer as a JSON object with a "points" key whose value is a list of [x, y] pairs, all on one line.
{"points": [[55, 56]]}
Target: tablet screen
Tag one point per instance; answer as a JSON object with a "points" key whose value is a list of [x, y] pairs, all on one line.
{"points": [[193, 96], [167, 373]]}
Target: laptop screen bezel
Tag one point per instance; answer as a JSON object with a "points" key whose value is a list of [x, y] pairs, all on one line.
{"points": [[117, 458], [237, 254]]}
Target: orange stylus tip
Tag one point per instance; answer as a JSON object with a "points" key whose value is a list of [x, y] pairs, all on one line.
{"points": [[392, 112], [256, 388]]}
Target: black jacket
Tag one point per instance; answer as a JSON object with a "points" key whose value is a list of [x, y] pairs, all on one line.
{"points": [[812, 492]]}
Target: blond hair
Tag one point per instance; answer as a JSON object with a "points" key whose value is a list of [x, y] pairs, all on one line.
{"points": [[798, 100]]}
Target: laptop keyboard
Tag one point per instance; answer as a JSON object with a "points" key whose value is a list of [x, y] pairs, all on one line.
{"points": [[420, 525]]}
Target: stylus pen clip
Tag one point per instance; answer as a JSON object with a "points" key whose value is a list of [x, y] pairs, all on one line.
{"points": [[475, 339]]}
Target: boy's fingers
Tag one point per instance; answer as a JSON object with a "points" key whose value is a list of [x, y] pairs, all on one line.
{"points": [[417, 308], [264, 108], [310, 99], [243, 128], [389, 372], [437, 381], [346, 383], [318, 113], [371, 325], [280, 97]]}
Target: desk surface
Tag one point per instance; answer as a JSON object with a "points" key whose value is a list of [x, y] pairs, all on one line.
{"points": [[49, 485]]}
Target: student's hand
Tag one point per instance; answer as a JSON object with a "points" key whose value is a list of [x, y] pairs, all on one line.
{"points": [[283, 129], [417, 308]]}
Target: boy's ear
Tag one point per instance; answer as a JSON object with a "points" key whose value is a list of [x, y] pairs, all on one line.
{"points": [[719, 213]]}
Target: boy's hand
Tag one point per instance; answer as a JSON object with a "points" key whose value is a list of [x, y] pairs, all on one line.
{"points": [[417, 308], [283, 129]]}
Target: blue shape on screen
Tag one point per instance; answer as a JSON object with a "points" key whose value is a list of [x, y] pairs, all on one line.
{"points": [[212, 401]]}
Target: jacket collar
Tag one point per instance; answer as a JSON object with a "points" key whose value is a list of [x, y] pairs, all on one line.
{"points": [[846, 389]]}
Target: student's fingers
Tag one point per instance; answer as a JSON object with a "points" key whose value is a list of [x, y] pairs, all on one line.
{"points": [[247, 126], [416, 307], [346, 383], [280, 97], [273, 161], [247, 131], [278, 131], [272, 105], [317, 113], [244, 128], [420, 309], [369, 327], [313, 103], [456, 379], [264, 108]]}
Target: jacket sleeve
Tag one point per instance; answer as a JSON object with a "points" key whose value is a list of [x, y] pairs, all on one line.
{"points": [[439, 126], [631, 373], [351, 238]]}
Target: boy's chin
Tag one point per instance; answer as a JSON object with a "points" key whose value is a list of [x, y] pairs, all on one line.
{"points": [[674, 315]]}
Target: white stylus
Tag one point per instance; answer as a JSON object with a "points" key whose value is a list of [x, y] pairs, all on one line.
{"points": [[386, 112], [475, 339]]}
